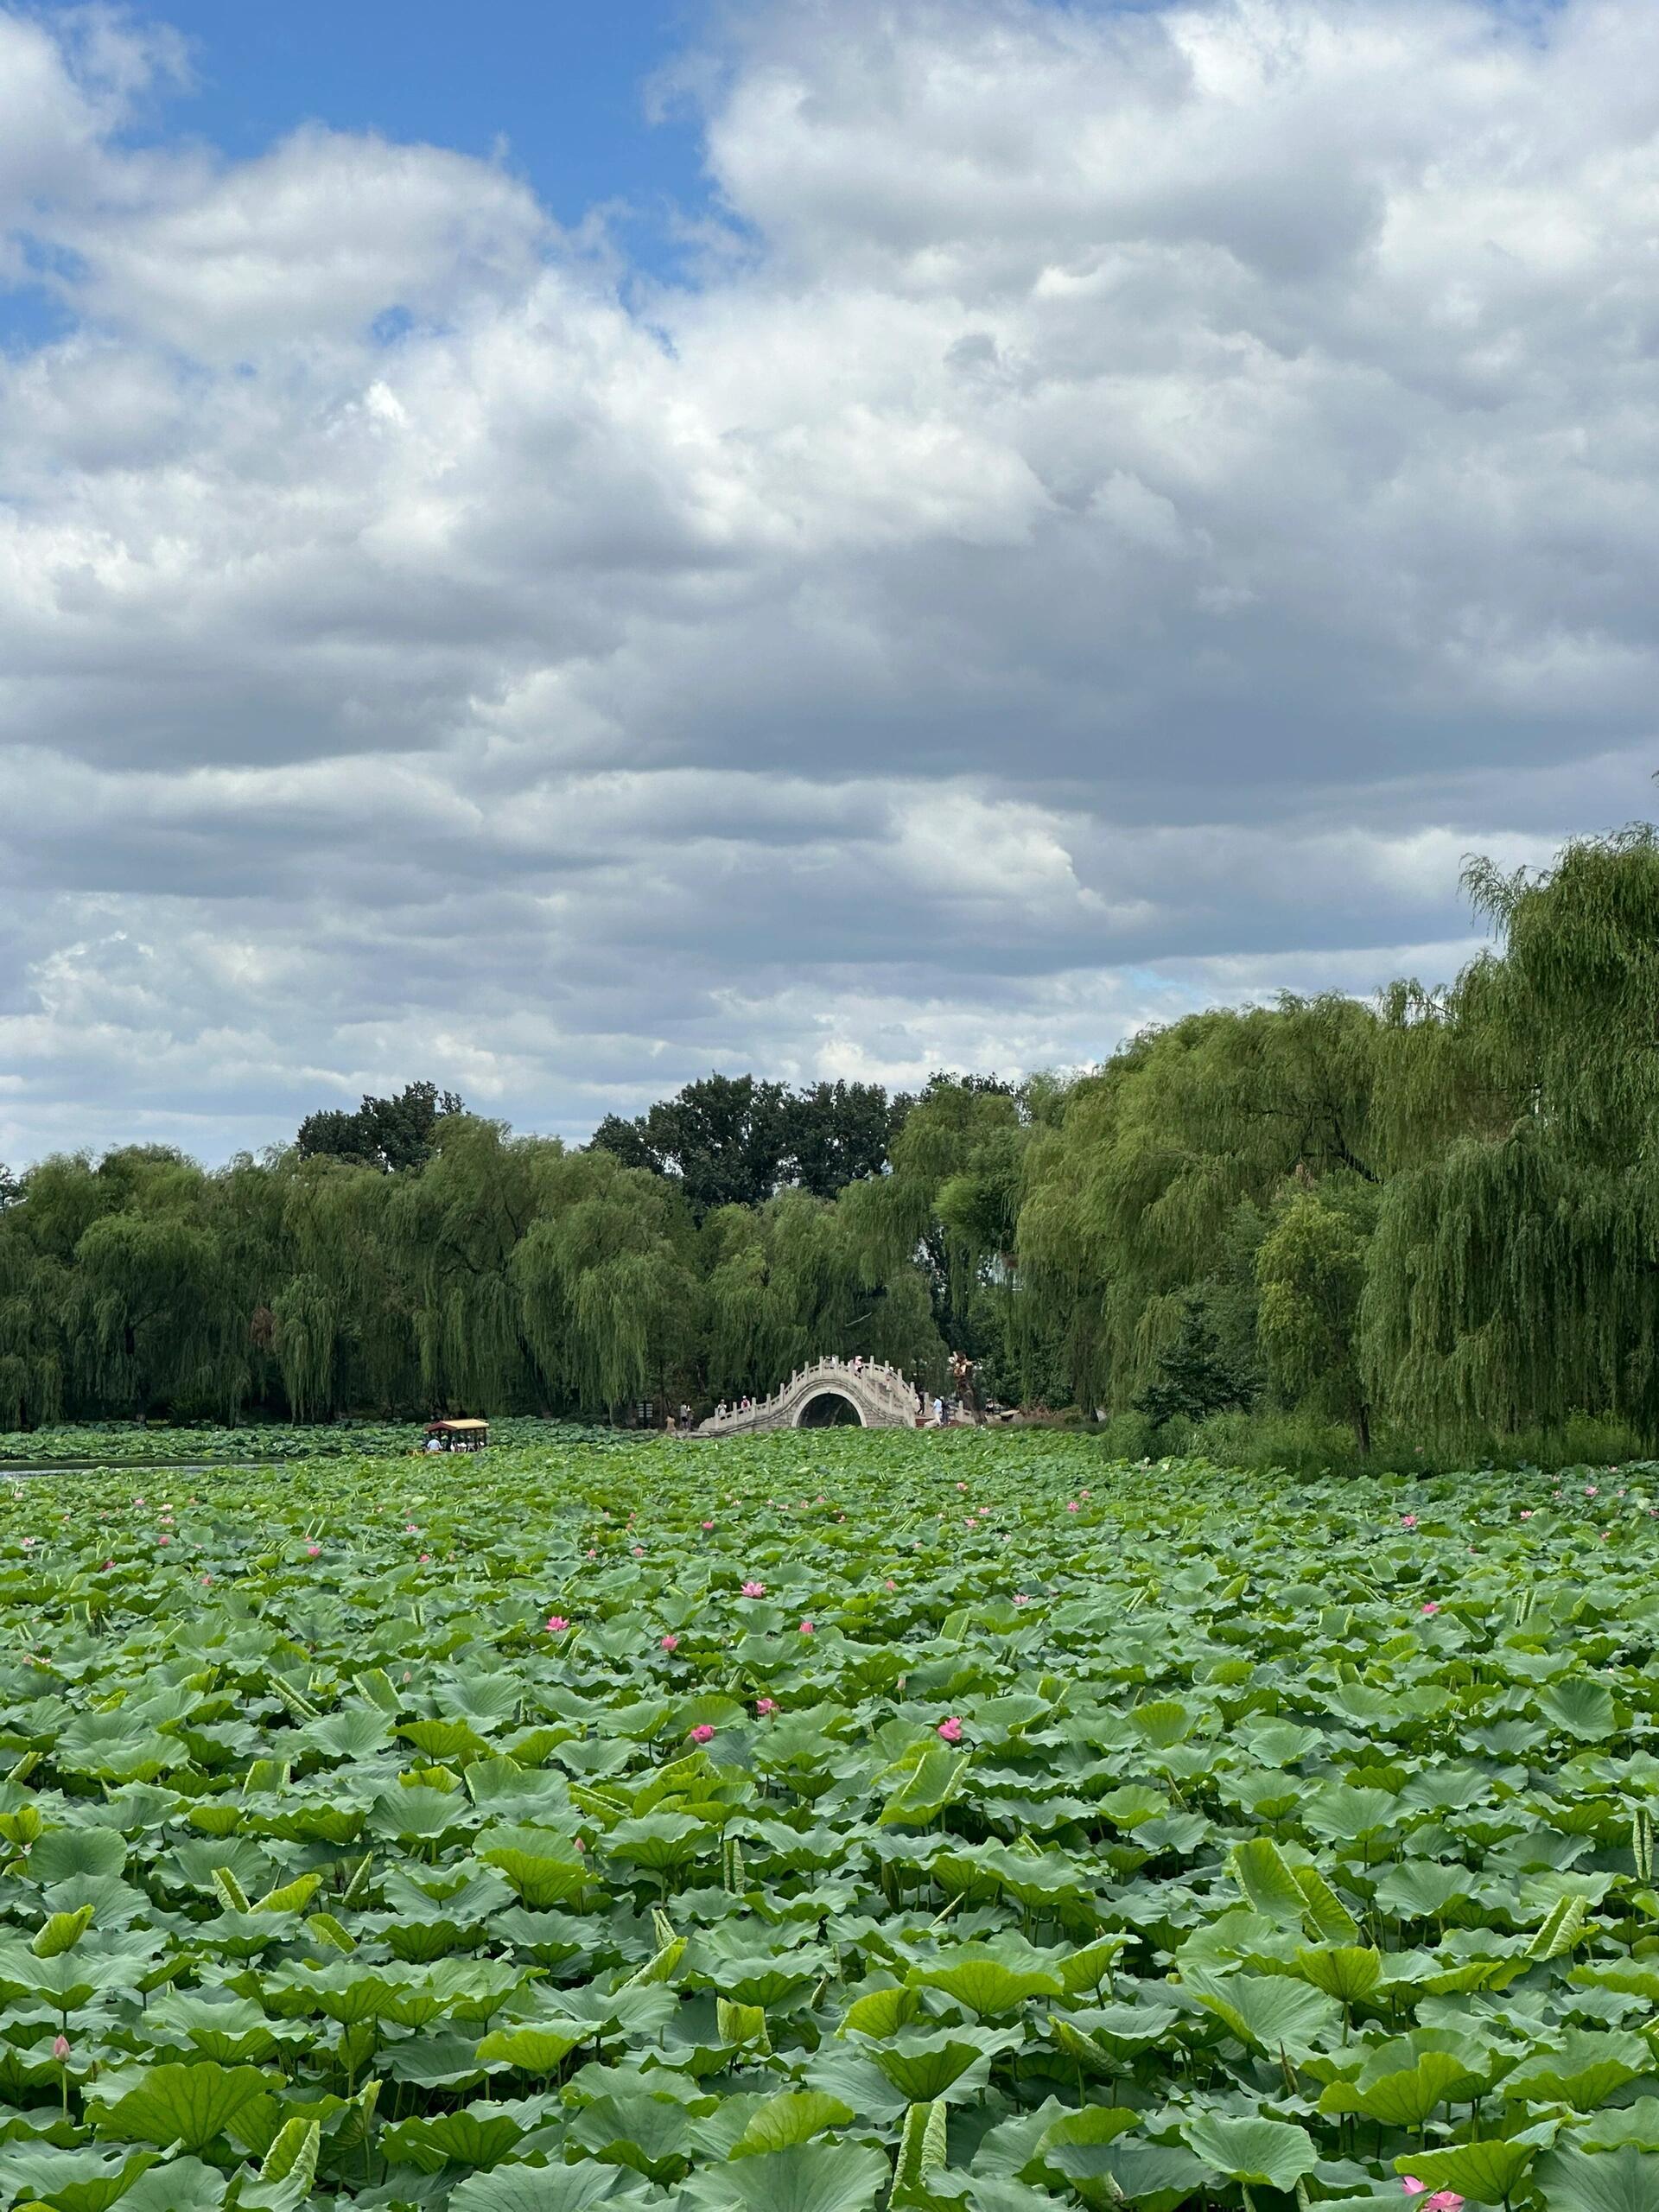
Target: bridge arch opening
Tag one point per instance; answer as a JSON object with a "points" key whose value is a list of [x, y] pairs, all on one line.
{"points": [[828, 1410]]}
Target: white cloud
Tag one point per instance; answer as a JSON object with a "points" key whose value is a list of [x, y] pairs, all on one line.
{"points": [[1135, 497]]}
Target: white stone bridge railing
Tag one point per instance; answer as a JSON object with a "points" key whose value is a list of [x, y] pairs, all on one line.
{"points": [[878, 1396]]}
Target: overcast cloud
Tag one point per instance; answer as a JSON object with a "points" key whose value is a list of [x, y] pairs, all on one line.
{"points": [[1127, 501]]}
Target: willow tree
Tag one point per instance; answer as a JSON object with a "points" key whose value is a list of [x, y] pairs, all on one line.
{"points": [[1131, 1203], [1514, 1279], [456, 1225], [345, 1334], [607, 1292]]}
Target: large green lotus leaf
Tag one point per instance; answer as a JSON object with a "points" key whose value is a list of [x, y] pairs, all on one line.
{"points": [[1260, 1871], [1156, 2176], [1487, 2170], [794, 2117], [1404, 2096], [923, 2067], [455, 1741], [1269, 2153], [1348, 1972], [190, 2104], [230, 2028], [70, 2181], [543, 2189], [480, 2136], [633, 2128], [1600, 2180], [1583, 2069], [919, 1793], [1272, 2012], [656, 1841], [176, 2185], [1637, 2123], [1582, 1707], [420, 1814], [540, 2048], [809, 2178], [1421, 1889], [59, 1853], [989, 1985]]}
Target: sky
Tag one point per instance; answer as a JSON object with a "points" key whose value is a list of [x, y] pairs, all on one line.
{"points": [[835, 538]]}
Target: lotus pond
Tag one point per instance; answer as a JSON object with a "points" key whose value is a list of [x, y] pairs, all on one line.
{"points": [[809, 1826]]}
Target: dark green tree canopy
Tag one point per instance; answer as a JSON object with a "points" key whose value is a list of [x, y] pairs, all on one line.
{"points": [[393, 1134], [732, 1141]]}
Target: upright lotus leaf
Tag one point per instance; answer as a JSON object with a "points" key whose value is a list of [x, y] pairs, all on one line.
{"points": [[1077, 2149], [1582, 2068], [918, 1792], [1402, 2086], [659, 1842], [1326, 1914], [80, 2180], [924, 2145], [540, 2048], [476, 2137], [1271, 2012], [796, 2116], [189, 2105], [923, 2067], [1260, 1869], [60, 1853], [543, 2189], [1561, 1928], [880, 2012], [287, 2170], [1637, 2124], [1585, 1708], [809, 2178], [1262, 2153], [1350, 1972], [1422, 1888], [61, 1932], [1488, 2169], [1605, 2181], [990, 1985], [632, 2128]]}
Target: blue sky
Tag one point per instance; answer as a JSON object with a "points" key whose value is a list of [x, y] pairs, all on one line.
{"points": [[562, 83], [1156, 487]]}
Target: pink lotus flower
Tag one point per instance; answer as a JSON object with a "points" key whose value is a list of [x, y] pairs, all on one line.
{"points": [[754, 1589], [765, 1704], [1020, 1599], [702, 1733], [164, 1540], [891, 1584], [30, 1542], [556, 1623], [207, 1577], [107, 1564], [708, 1524], [962, 1485], [1408, 1520], [1071, 1505], [671, 1642], [1440, 2199], [1527, 1512], [59, 2048], [807, 1629], [951, 1730], [1590, 1490], [311, 1550], [1431, 1604]]}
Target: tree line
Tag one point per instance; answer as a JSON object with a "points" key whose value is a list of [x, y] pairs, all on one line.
{"points": [[1430, 1216]]}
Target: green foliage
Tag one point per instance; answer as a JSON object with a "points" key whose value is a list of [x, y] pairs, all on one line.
{"points": [[1290, 1836]]}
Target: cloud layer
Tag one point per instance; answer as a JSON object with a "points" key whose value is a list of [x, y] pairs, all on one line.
{"points": [[1127, 501]]}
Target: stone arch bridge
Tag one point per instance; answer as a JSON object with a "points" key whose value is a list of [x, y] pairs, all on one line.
{"points": [[834, 1392]]}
